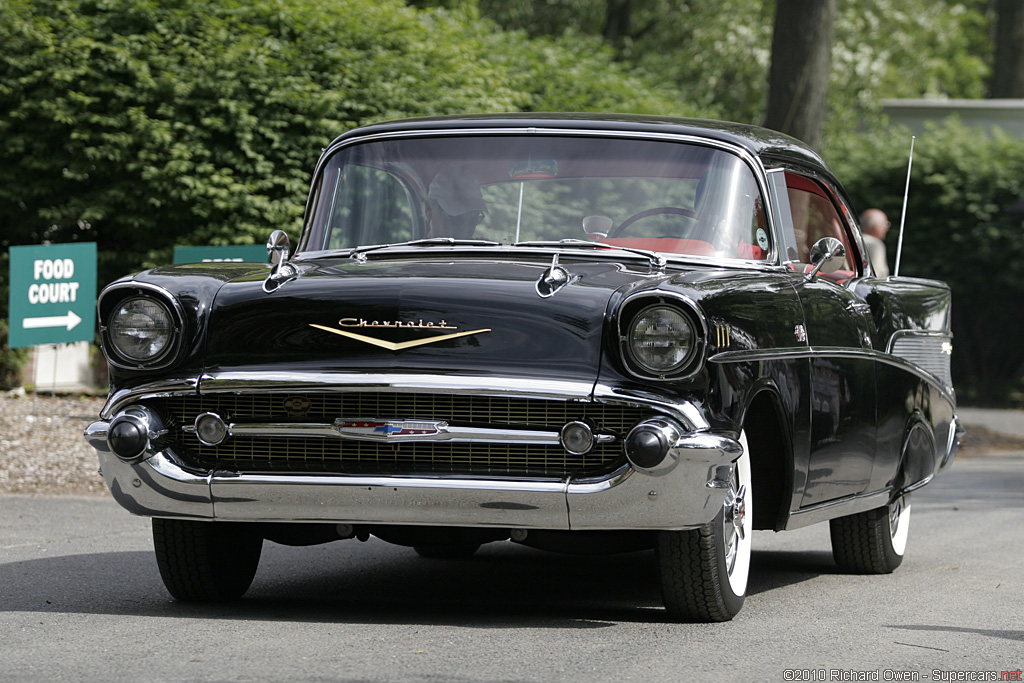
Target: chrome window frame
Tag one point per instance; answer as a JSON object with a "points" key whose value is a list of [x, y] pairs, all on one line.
{"points": [[753, 162]]}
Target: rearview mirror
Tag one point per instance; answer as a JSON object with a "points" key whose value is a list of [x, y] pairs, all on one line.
{"points": [[597, 227]]}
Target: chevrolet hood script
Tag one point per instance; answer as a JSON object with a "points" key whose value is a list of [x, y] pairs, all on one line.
{"points": [[396, 324]]}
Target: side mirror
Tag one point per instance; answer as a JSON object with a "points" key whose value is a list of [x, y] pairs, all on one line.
{"points": [[278, 247], [827, 255]]}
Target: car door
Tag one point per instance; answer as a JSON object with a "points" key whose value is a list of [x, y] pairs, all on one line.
{"points": [[838, 328]]}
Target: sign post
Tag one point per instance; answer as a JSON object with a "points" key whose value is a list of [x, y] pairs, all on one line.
{"points": [[53, 294]]}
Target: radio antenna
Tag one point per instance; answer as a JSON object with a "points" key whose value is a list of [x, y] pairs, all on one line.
{"points": [[903, 215]]}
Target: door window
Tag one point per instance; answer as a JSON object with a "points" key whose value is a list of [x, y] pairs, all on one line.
{"points": [[814, 216]]}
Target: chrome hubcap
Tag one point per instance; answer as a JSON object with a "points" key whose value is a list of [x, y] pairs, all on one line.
{"points": [[735, 512], [895, 510], [899, 523]]}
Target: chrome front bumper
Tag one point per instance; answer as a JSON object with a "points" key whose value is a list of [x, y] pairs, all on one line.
{"points": [[686, 491]]}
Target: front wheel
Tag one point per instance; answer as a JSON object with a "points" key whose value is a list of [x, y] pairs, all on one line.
{"points": [[206, 561], [704, 571], [872, 542]]}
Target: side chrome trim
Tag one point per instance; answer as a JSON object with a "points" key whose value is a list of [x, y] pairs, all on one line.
{"points": [[849, 505], [746, 356]]}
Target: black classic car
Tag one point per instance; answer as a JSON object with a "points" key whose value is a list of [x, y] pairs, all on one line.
{"points": [[585, 334]]}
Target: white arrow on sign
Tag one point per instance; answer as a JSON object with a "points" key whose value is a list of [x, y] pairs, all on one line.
{"points": [[70, 321]]}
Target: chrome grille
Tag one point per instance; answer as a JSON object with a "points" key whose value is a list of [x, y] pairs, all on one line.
{"points": [[303, 454]]}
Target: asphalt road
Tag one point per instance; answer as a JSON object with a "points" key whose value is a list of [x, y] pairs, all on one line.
{"points": [[81, 600]]}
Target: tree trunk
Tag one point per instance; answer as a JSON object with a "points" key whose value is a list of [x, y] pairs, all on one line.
{"points": [[618, 20], [1008, 67], [801, 57]]}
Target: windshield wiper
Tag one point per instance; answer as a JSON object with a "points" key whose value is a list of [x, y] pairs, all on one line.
{"points": [[657, 260], [359, 253]]}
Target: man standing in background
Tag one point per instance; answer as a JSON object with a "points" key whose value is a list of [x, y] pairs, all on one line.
{"points": [[875, 224]]}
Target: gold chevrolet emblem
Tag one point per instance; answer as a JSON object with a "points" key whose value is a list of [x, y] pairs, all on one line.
{"points": [[396, 346]]}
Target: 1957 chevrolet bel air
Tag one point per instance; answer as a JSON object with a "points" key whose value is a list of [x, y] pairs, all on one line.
{"points": [[579, 333]]}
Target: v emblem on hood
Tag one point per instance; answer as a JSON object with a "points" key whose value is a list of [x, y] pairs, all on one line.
{"points": [[397, 346]]}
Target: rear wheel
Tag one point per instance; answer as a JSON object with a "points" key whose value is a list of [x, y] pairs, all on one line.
{"points": [[872, 542], [704, 571], [206, 561]]}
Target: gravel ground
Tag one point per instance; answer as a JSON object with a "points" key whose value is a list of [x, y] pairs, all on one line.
{"points": [[42, 450], [41, 446]]}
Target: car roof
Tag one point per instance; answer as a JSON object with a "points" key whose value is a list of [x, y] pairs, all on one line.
{"points": [[767, 144]]}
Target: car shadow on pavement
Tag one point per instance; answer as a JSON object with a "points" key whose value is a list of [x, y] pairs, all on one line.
{"points": [[771, 569], [502, 586]]}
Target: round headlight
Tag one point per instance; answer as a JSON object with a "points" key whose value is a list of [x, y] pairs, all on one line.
{"points": [[140, 329], [661, 339]]}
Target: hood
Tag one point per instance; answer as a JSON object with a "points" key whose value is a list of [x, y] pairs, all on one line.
{"points": [[439, 317]]}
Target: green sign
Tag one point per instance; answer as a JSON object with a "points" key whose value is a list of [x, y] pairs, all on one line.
{"points": [[243, 252], [53, 294]]}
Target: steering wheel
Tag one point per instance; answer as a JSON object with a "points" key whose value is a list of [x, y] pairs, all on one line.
{"points": [[651, 212]]}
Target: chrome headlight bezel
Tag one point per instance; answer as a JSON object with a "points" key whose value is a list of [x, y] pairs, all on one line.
{"points": [[146, 301], [685, 316]]}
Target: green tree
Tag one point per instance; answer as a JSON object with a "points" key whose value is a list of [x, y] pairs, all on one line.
{"points": [[904, 49], [716, 53]]}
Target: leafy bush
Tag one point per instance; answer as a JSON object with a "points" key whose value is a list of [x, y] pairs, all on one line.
{"points": [[142, 125], [960, 229]]}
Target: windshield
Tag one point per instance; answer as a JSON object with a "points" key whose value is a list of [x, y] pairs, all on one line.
{"points": [[669, 197]]}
